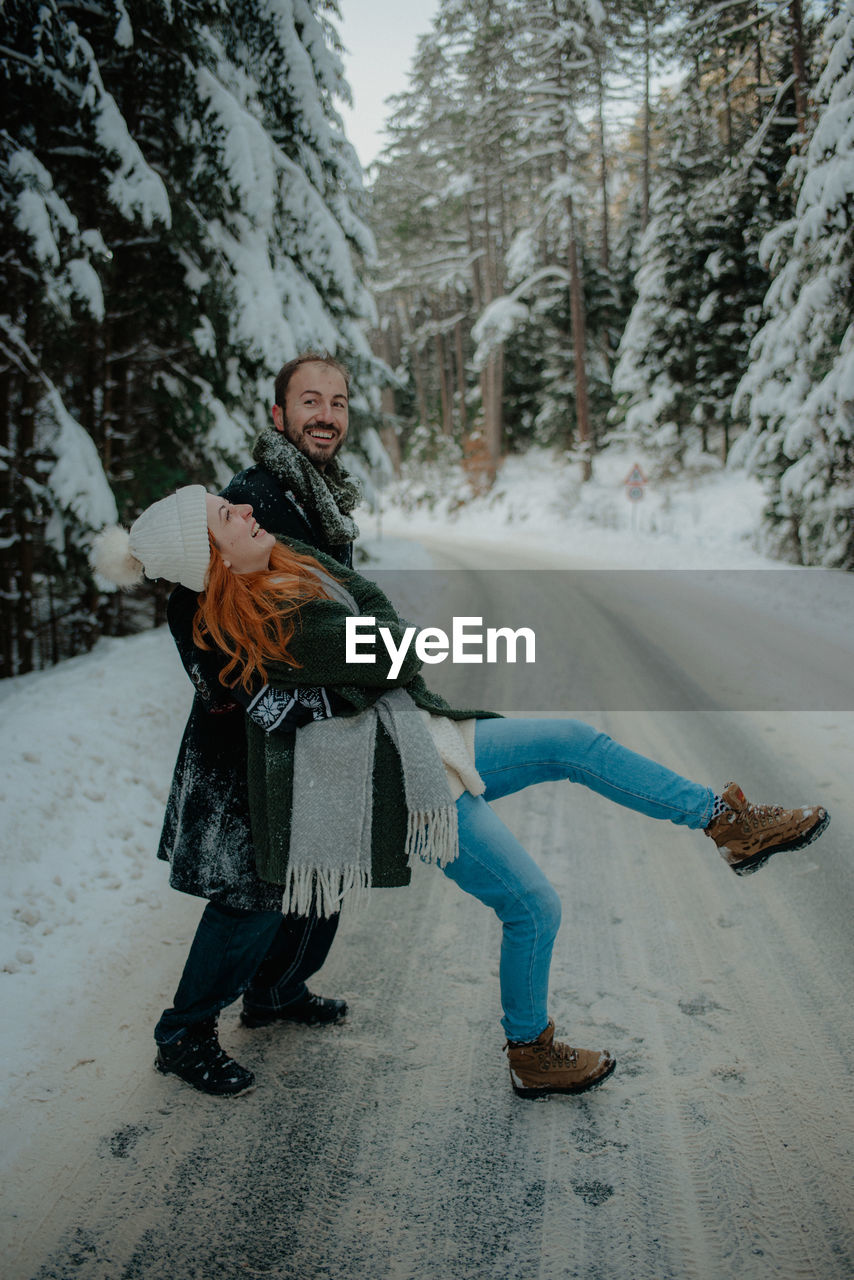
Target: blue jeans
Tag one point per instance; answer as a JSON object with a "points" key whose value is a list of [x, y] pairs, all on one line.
{"points": [[493, 866]]}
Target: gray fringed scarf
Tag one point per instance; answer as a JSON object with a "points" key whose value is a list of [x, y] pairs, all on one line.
{"points": [[330, 847], [329, 495]]}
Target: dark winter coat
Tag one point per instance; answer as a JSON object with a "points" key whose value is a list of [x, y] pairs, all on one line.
{"points": [[206, 834]]}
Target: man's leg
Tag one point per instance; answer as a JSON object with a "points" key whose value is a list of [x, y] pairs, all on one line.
{"points": [[228, 947], [278, 991]]}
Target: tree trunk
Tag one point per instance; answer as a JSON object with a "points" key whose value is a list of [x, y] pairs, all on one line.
{"points": [[7, 532], [387, 401], [476, 285], [647, 123], [444, 387], [107, 403], [498, 406], [420, 390], [461, 376], [605, 246], [25, 469], [758, 68], [492, 387], [493, 375], [576, 300], [799, 64], [391, 444]]}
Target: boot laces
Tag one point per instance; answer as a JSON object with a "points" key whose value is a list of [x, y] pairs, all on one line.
{"points": [[754, 816], [220, 1056], [210, 1053], [557, 1055]]}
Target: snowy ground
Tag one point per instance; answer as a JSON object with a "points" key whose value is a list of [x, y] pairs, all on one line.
{"points": [[92, 939], [706, 519]]}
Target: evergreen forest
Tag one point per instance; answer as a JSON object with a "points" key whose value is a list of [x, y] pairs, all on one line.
{"points": [[591, 222]]}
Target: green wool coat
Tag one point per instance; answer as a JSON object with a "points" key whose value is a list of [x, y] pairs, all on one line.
{"points": [[318, 651]]}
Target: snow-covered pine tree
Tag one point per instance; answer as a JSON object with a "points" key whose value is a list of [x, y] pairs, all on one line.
{"points": [[64, 147], [558, 165], [483, 38], [278, 188], [420, 212], [641, 45], [799, 388], [184, 212], [654, 376], [717, 192], [444, 199], [471, 202]]}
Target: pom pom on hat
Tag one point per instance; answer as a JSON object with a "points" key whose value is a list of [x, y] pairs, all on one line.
{"points": [[169, 540], [111, 557]]}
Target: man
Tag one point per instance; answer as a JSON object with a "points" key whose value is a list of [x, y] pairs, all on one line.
{"points": [[243, 944]]}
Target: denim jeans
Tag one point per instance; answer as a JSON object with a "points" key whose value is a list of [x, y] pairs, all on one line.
{"points": [[263, 954], [493, 866]]}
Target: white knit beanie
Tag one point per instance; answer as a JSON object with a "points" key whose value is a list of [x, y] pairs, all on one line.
{"points": [[169, 540]]}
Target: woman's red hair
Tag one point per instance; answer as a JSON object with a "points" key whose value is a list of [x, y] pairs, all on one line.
{"points": [[251, 617]]}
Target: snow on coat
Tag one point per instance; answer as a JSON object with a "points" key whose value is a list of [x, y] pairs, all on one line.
{"points": [[206, 836]]}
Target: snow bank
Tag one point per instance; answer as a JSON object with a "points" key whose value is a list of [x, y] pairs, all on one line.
{"points": [[87, 757], [706, 518]]}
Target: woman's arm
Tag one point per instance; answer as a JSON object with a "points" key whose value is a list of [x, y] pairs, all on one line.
{"points": [[286, 710], [318, 645], [371, 600], [318, 649]]}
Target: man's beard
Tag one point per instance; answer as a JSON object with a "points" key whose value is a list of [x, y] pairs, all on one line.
{"points": [[317, 454]]}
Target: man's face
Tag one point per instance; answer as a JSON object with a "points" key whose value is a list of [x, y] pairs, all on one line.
{"points": [[315, 417]]}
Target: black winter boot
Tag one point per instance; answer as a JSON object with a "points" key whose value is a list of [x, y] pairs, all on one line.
{"points": [[312, 1010], [199, 1059]]}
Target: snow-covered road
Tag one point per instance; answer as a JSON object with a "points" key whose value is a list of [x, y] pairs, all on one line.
{"points": [[391, 1147]]}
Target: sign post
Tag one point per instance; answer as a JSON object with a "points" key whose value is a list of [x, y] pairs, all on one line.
{"points": [[635, 482]]}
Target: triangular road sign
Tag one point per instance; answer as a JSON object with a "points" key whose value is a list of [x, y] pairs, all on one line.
{"points": [[635, 476]]}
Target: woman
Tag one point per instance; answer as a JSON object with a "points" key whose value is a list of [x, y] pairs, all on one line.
{"points": [[386, 771]]}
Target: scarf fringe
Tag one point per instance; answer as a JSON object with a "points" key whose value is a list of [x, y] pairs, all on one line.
{"points": [[432, 837], [308, 888]]}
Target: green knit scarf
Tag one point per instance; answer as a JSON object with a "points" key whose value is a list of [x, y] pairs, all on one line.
{"points": [[329, 495]]}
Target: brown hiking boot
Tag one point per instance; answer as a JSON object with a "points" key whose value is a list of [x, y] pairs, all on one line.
{"points": [[547, 1066], [747, 835]]}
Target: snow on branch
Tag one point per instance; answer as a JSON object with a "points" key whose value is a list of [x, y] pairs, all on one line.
{"points": [[499, 320], [44, 218], [77, 480], [134, 188], [495, 325]]}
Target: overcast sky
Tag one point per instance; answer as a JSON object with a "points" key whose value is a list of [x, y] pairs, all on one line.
{"points": [[380, 37]]}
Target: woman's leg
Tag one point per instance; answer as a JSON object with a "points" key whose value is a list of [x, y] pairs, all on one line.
{"points": [[493, 867], [512, 754]]}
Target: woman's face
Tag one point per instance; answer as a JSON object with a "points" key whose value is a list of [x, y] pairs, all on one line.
{"points": [[244, 546]]}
